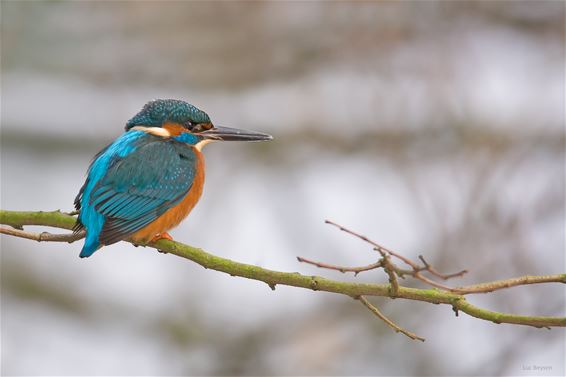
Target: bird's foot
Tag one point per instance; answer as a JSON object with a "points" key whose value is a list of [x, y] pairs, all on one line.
{"points": [[162, 236]]}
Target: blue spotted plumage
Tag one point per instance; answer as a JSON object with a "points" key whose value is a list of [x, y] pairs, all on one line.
{"points": [[149, 178]]}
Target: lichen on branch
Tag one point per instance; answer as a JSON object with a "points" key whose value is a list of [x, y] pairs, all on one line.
{"points": [[439, 294]]}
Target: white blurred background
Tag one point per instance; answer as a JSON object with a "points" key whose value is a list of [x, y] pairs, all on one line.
{"points": [[435, 128]]}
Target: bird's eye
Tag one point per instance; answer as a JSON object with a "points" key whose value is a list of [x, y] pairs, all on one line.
{"points": [[200, 127], [189, 125]]}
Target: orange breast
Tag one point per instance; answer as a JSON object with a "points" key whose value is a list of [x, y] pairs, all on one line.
{"points": [[173, 216]]}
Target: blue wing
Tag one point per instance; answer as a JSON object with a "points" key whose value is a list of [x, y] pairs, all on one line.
{"points": [[136, 189]]}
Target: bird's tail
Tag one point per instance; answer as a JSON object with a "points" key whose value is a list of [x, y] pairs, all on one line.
{"points": [[91, 245]]}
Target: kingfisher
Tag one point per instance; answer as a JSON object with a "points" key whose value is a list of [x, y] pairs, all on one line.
{"points": [[151, 177]]}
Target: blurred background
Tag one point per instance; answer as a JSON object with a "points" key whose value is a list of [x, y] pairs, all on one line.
{"points": [[434, 128]]}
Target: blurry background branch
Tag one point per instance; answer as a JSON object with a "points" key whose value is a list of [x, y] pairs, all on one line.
{"points": [[444, 295]]}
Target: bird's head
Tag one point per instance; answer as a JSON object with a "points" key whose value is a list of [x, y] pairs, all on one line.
{"points": [[184, 122]]}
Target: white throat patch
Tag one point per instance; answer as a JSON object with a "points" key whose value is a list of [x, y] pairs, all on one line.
{"points": [[202, 143], [157, 131]]}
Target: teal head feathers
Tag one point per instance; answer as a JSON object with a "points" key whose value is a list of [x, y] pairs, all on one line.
{"points": [[161, 111]]}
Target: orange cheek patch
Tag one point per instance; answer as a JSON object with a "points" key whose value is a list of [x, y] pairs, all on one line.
{"points": [[175, 129]]}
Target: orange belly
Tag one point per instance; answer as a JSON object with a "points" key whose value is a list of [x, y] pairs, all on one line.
{"points": [[173, 216]]}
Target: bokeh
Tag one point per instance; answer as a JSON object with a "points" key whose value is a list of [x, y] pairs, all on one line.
{"points": [[434, 128]]}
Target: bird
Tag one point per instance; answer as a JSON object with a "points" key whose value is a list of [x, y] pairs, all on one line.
{"points": [[150, 178]]}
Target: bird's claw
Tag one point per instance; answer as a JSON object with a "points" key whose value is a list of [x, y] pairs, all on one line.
{"points": [[162, 236]]}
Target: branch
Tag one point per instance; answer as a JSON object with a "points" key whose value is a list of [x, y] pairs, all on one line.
{"points": [[355, 270], [429, 268], [395, 327], [272, 278], [508, 283], [415, 268], [44, 236]]}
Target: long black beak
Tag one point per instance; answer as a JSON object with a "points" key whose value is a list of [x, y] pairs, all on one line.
{"points": [[234, 134]]}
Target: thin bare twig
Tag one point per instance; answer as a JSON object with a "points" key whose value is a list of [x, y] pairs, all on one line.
{"points": [[343, 269], [424, 279], [391, 324], [377, 246], [429, 268], [416, 269], [391, 271], [43, 236], [389, 268], [507, 283]]}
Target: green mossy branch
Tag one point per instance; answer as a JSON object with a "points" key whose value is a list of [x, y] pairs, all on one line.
{"points": [[458, 302], [18, 219]]}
